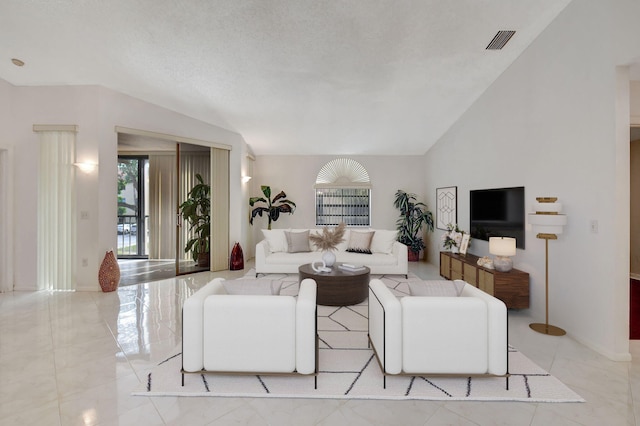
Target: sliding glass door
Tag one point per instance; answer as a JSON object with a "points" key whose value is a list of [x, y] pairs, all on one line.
{"points": [[133, 220]]}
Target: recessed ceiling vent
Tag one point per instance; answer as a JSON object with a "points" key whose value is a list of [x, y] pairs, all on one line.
{"points": [[501, 38]]}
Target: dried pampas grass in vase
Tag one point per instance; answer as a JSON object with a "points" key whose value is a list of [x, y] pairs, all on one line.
{"points": [[327, 241]]}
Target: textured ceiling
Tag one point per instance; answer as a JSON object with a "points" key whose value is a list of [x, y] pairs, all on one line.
{"points": [[292, 76]]}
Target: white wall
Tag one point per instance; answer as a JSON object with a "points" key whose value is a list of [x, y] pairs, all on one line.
{"points": [[96, 111], [296, 175], [555, 123]]}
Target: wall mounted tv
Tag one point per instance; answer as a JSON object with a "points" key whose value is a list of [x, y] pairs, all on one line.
{"points": [[498, 213]]}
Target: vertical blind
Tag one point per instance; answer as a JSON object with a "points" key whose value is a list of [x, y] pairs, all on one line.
{"points": [[162, 206], [219, 209], [56, 211], [190, 165], [348, 205]]}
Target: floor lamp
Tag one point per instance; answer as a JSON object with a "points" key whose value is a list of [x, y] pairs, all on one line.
{"points": [[548, 222]]}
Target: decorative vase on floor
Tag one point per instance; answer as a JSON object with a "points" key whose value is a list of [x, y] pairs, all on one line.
{"points": [[329, 258], [236, 262], [109, 273]]}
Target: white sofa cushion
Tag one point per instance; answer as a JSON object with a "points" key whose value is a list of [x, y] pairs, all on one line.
{"points": [[276, 239], [382, 241], [252, 287], [436, 288], [238, 322], [456, 341]]}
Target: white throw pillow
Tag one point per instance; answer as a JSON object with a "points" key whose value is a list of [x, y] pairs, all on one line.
{"points": [[297, 242], [383, 240], [252, 287], [276, 240], [439, 288], [360, 242]]}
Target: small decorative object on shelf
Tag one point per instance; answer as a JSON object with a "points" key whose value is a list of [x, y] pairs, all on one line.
{"points": [[452, 239], [327, 241], [236, 261], [109, 273], [485, 262]]}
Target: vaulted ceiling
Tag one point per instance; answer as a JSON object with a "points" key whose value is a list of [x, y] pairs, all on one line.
{"points": [[292, 76]]}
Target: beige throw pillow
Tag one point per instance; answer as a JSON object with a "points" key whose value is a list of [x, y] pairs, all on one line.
{"points": [[382, 241], [360, 242], [297, 242]]}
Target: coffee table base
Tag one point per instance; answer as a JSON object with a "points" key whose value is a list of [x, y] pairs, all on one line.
{"points": [[338, 288]]}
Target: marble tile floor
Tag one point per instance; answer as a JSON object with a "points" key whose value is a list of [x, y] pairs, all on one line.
{"points": [[140, 271], [73, 359]]}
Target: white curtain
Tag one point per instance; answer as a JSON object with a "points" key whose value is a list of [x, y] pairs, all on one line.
{"points": [[191, 163], [219, 209], [56, 252], [162, 206], [6, 230]]}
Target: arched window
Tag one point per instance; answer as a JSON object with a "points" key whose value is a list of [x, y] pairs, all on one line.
{"points": [[343, 193]]}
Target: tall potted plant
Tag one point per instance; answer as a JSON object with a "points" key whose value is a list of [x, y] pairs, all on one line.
{"points": [[279, 204], [196, 211], [413, 216]]}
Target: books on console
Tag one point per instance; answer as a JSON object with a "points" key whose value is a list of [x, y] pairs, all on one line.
{"points": [[350, 267]]}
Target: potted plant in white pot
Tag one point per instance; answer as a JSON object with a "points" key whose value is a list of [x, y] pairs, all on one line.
{"points": [[413, 216]]}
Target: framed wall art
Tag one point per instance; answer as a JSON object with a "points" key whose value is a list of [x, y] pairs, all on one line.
{"points": [[446, 206]]}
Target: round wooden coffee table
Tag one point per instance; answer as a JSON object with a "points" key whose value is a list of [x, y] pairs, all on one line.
{"points": [[338, 287]]}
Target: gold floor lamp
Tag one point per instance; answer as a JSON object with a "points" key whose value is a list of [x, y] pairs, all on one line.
{"points": [[548, 222]]}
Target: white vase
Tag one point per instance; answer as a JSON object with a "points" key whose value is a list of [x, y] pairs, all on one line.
{"points": [[454, 249], [329, 258]]}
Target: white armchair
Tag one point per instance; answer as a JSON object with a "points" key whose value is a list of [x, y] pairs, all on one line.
{"points": [[251, 334], [465, 335]]}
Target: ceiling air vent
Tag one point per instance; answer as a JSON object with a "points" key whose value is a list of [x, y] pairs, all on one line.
{"points": [[501, 38]]}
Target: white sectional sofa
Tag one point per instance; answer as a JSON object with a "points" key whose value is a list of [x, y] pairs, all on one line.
{"points": [[422, 335], [274, 254]]}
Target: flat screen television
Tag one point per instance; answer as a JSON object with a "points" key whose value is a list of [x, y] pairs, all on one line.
{"points": [[498, 213]]}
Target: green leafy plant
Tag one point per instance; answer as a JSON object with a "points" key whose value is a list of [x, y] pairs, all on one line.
{"points": [[196, 211], [413, 216], [274, 207]]}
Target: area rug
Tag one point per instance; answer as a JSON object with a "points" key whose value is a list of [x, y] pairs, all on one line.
{"points": [[349, 370]]}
